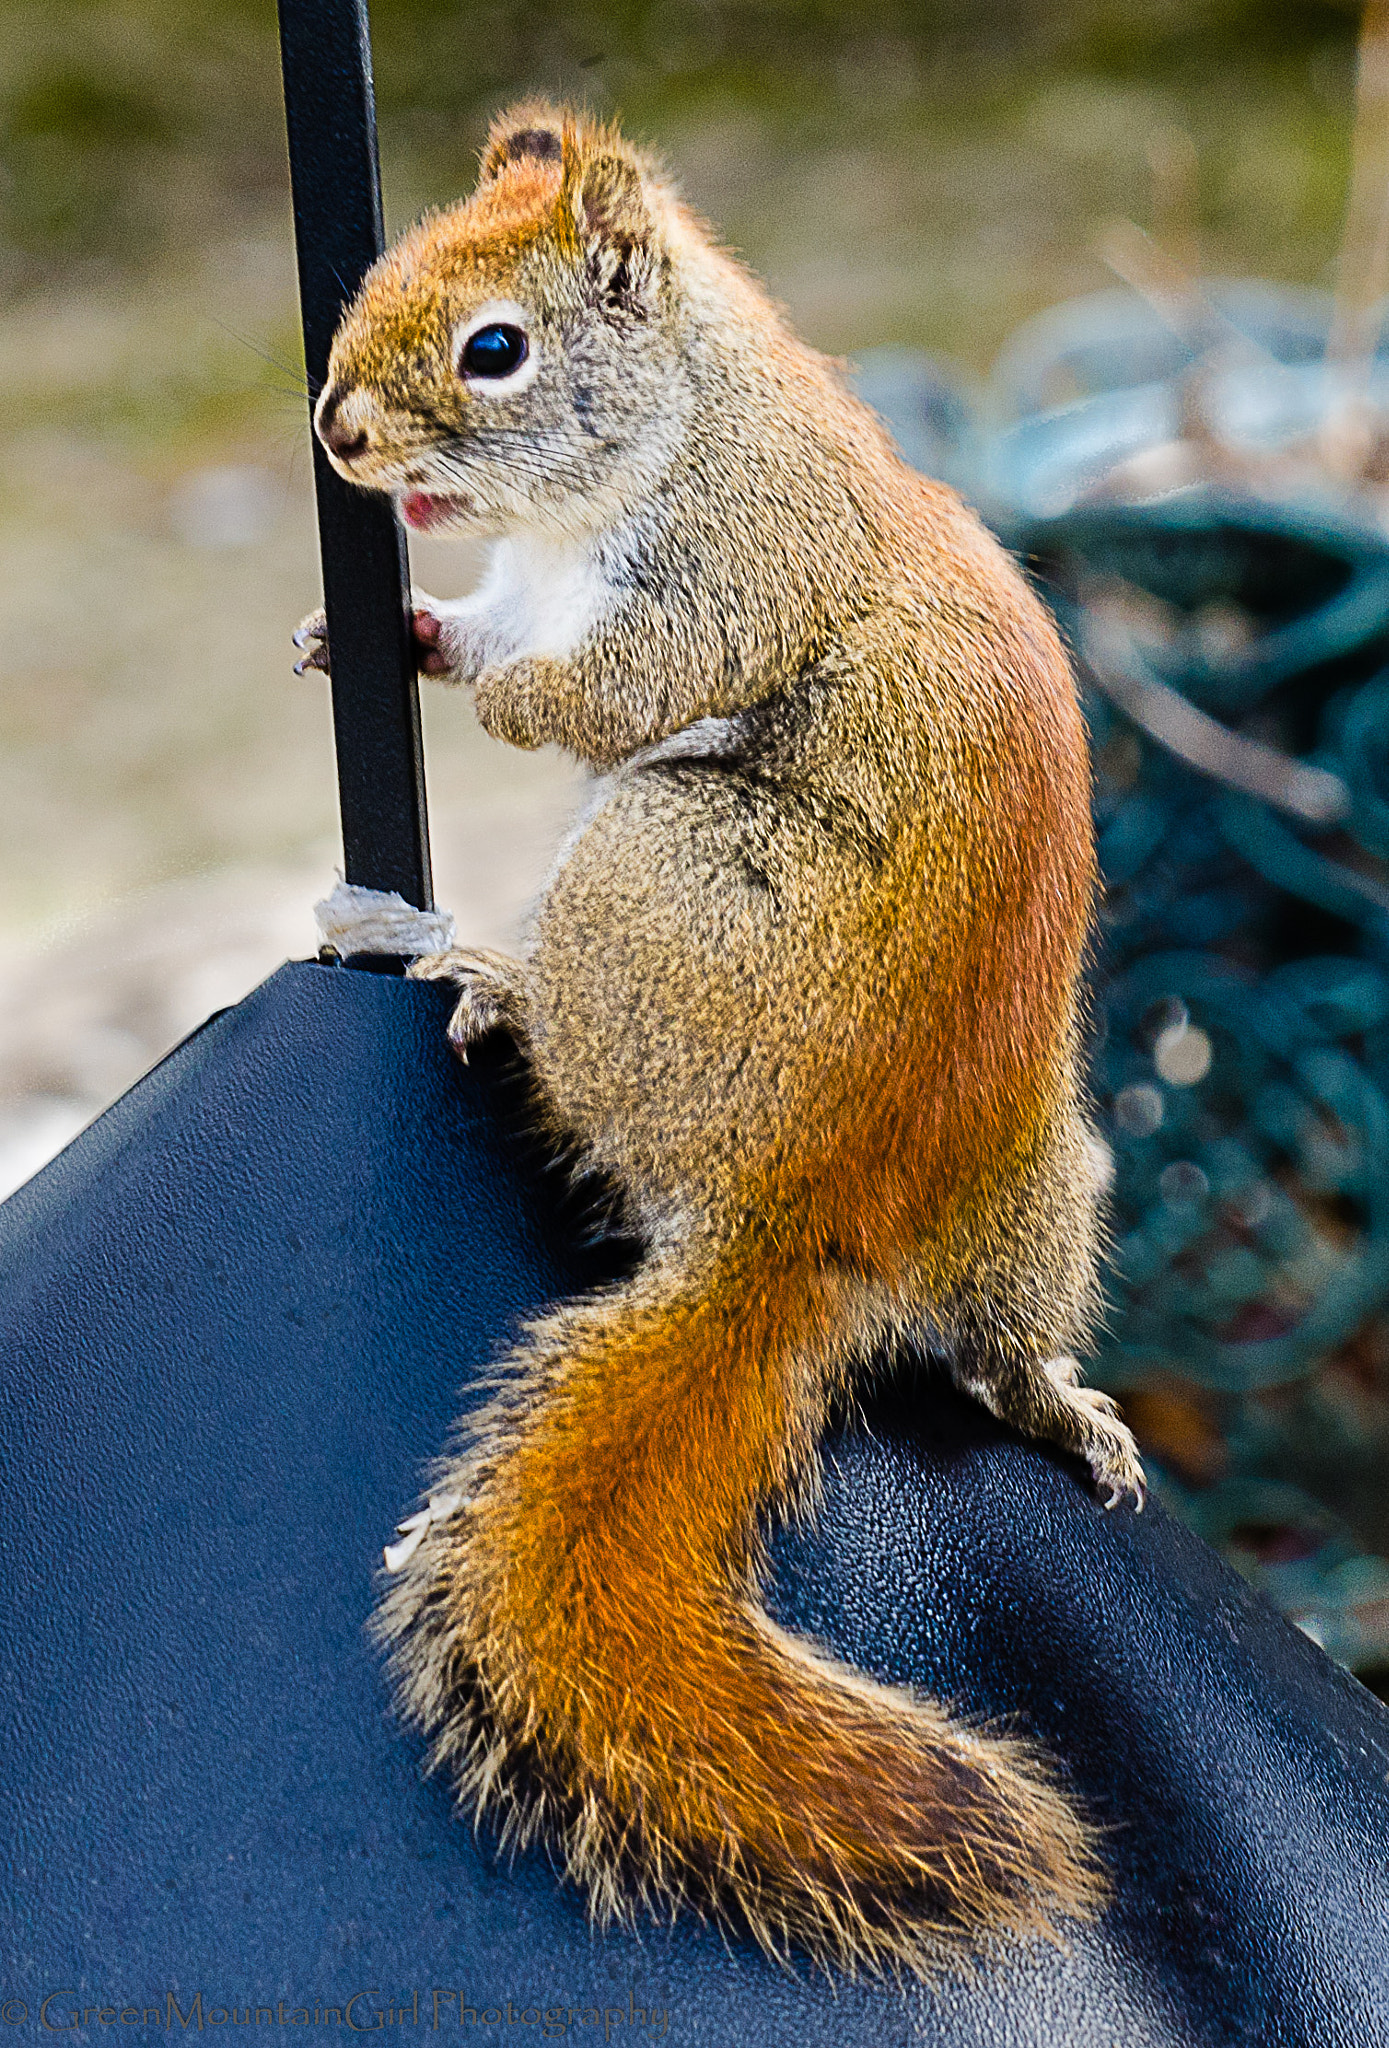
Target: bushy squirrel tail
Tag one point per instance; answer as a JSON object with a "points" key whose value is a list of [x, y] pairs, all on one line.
{"points": [[582, 1638]]}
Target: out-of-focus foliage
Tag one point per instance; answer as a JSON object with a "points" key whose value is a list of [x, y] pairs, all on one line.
{"points": [[1242, 1068], [996, 133]]}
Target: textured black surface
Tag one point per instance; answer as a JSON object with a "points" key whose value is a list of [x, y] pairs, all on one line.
{"points": [[235, 1316]]}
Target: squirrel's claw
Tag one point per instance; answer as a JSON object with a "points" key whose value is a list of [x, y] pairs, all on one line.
{"points": [[1117, 1487], [431, 657], [312, 633]]}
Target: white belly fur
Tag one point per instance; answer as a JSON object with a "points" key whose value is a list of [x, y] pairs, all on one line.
{"points": [[538, 599]]}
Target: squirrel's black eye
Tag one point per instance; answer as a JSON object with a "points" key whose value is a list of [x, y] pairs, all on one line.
{"points": [[494, 352]]}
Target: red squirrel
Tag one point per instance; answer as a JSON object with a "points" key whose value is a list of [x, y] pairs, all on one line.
{"points": [[805, 983]]}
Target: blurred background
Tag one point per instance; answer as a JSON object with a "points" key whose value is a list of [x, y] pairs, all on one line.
{"points": [[918, 180]]}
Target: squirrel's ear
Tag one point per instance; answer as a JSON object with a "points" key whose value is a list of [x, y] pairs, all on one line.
{"points": [[608, 201], [604, 192], [528, 132]]}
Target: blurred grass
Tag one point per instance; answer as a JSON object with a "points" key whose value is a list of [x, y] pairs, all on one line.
{"points": [[923, 172]]}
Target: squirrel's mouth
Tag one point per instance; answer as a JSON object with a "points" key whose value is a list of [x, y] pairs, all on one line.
{"points": [[424, 510]]}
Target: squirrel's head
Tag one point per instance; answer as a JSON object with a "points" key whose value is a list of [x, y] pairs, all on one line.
{"points": [[516, 360]]}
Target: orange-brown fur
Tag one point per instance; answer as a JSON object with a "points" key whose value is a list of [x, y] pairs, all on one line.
{"points": [[804, 982]]}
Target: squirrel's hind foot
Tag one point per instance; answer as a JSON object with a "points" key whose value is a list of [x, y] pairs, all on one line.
{"points": [[494, 993], [1042, 1398], [1104, 1439]]}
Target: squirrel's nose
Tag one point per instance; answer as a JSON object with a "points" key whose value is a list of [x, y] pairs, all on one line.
{"points": [[337, 436]]}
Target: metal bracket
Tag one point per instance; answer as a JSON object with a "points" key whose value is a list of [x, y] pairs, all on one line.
{"points": [[330, 113]]}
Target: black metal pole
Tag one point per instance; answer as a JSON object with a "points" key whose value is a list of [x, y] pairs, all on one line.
{"points": [[330, 112]]}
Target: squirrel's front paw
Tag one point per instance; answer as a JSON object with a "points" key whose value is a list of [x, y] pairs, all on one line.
{"points": [[515, 701], [493, 993], [433, 655], [312, 633]]}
